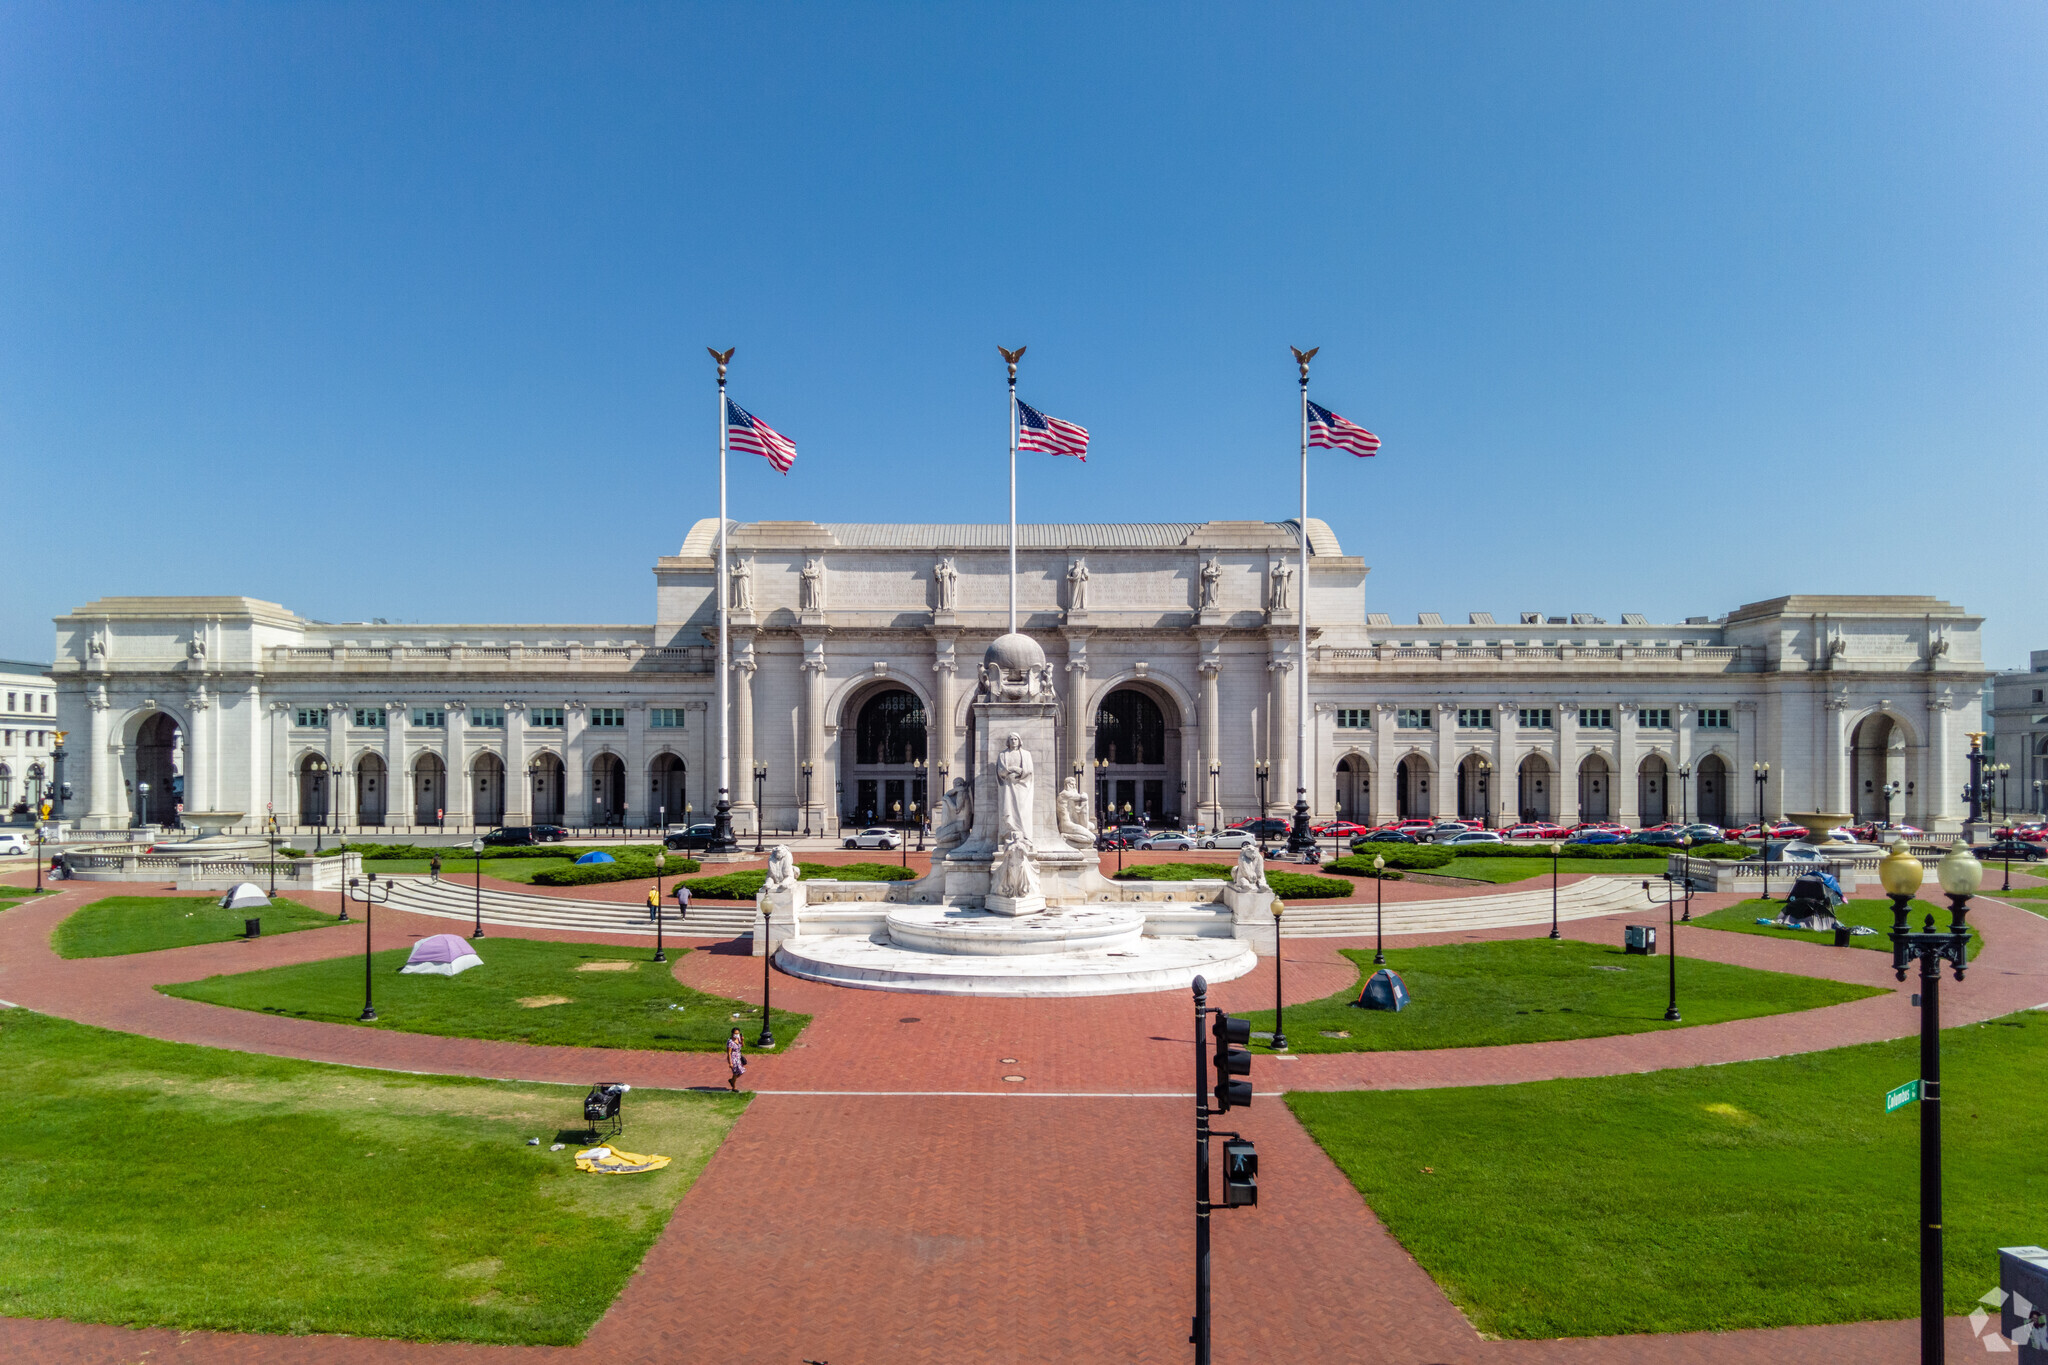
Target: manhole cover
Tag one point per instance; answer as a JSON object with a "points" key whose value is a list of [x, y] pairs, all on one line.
{"points": [[910, 1019], [1013, 1078], [1008, 1061]]}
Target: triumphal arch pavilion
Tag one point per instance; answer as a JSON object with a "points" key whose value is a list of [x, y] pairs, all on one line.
{"points": [[1173, 649]]}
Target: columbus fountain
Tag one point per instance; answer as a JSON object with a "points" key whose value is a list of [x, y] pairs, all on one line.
{"points": [[1015, 903]]}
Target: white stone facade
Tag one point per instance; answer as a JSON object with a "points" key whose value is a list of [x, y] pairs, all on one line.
{"points": [[28, 732], [2019, 722], [1176, 642]]}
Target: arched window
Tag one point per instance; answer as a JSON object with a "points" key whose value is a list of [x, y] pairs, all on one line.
{"points": [[890, 730], [1130, 728]]}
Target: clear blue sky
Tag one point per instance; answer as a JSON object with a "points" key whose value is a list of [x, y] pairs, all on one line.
{"points": [[401, 310]]}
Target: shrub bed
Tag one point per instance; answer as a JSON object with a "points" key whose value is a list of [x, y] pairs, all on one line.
{"points": [[1412, 857], [741, 886], [448, 853], [1294, 885]]}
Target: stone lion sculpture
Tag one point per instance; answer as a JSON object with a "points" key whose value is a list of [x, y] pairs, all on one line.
{"points": [[1250, 873], [782, 873]]}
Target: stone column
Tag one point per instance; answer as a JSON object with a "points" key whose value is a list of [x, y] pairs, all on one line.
{"points": [[518, 786], [284, 786], [1280, 736], [1212, 739], [1837, 776], [1506, 780], [1443, 793], [824, 805], [576, 764], [1678, 791], [1628, 805], [341, 778], [1936, 785], [455, 780], [637, 797], [1565, 799], [100, 809], [398, 793], [1385, 763], [199, 752], [743, 812], [938, 732]]}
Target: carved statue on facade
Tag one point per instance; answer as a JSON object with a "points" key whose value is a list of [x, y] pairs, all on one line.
{"points": [[1075, 827], [1250, 872], [1016, 781], [96, 645], [1282, 575], [948, 578], [1016, 870], [742, 573], [196, 650], [782, 873], [812, 587], [1939, 646], [1212, 574], [956, 816], [1077, 585]]}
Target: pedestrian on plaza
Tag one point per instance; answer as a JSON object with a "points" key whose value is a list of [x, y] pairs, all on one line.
{"points": [[735, 1059], [653, 904], [435, 867], [682, 900]]}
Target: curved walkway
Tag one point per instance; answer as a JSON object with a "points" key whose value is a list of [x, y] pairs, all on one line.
{"points": [[890, 1198]]}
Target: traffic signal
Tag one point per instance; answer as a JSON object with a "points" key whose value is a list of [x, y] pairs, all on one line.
{"points": [[1240, 1174], [1232, 1060]]}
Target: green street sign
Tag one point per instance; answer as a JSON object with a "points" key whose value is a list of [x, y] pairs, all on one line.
{"points": [[1901, 1097]]}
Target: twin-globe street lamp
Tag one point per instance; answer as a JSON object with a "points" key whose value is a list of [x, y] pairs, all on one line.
{"points": [[1960, 874]]}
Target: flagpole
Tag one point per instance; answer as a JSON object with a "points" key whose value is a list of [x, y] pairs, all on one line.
{"points": [[722, 840], [1010, 358], [1299, 839]]}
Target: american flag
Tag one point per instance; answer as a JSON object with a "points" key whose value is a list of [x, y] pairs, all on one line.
{"points": [[744, 431], [1327, 429], [1036, 431]]}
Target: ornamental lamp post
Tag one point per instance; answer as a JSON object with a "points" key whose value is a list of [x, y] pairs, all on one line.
{"points": [[142, 806], [1671, 932], [767, 1038], [1264, 769], [660, 863], [1379, 909], [1960, 875], [1485, 805], [805, 767], [368, 900], [760, 780], [1279, 1021], [1684, 792], [1763, 775], [270, 834], [476, 846], [1891, 792], [39, 857], [1685, 862], [1216, 790]]}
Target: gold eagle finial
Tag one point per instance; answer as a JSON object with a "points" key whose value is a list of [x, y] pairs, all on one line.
{"points": [[723, 358], [1302, 358], [1010, 358]]}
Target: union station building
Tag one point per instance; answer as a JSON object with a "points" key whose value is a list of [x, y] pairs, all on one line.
{"points": [[1173, 646]]}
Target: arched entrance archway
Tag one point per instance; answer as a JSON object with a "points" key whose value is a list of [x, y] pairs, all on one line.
{"points": [[607, 790], [1653, 790], [6, 787], [1411, 787], [1532, 788], [487, 778], [157, 763], [668, 789], [1877, 756], [370, 791], [313, 790], [1595, 786], [547, 776], [430, 790], [1137, 753], [1475, 787], [886, 781], [1712, 775], [1354, 789]]}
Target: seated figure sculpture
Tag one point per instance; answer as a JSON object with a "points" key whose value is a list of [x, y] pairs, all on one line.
{"points": [[1250, 872], [1075, 826]]}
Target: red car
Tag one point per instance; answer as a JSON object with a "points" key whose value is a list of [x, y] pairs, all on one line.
{"points": [[1337, 829], [1535, 829]]}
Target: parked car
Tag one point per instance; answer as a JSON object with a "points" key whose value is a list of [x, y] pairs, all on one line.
{"points": [[1267, 828], [1657, 838], [1473, 836], [1413, 825], [1110, 840], [1596, 836], [1168, 839], [1444, 833], [1228, 838], [693, 838], [1671, 826], [12, 844], [1337, 829], [514, 836], [1535, 829], [2018, 850], [1704, 833], [1384, 836], [876, 838]]}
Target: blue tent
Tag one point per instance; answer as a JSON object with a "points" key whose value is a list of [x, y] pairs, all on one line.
{"points": [[597, 856], [1384, 991]]}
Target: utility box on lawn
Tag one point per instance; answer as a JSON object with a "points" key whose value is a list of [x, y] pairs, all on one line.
{"points": [[1639, 938], [2023, 1313]]}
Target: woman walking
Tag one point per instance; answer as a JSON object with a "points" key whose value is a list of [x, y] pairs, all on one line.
{"points": [[735, 1058]]}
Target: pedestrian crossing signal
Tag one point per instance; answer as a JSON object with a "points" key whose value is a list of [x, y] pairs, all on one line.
{"points": [[1232, 1060], [1240, 1174]]}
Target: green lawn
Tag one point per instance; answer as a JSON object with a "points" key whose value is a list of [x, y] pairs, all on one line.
{"points": [[527, 991], [1481, 868], [1760, 1194], [143, 924], [160, 1184], [2033, 898], [11, 894], [1742, 919], [1535, 990]]}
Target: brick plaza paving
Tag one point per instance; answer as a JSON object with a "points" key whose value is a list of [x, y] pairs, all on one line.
{"points": [[889, 1197]]}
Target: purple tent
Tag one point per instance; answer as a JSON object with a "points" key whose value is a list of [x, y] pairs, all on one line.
{"points": [[441, 955]]}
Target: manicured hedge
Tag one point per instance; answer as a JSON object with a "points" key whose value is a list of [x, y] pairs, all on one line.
{"points": [[1298, 885], [448, 853], [1413, 857], [741, 886]]}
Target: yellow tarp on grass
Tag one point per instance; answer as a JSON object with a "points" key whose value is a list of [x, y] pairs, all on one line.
{"points": [[612, 1161]]}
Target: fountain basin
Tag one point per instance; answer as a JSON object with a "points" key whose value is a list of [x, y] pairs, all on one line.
{"points": [[984, 933]]}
